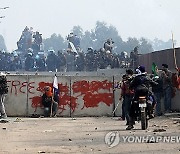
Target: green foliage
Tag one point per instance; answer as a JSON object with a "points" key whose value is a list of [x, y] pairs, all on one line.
{"points": [[77, 30], [96, 37], [160, 44], [56, 42], [132, 43], [145, 46]]}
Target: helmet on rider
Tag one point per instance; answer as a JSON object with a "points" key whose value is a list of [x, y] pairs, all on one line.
{"points": [[140, 70]]}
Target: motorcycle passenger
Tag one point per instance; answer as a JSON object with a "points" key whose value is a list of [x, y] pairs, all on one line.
{"points": [[127, 94], [140, 84]]}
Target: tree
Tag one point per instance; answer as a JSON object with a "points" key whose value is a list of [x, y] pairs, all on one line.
{"points": [[56, 42], [145, 46], [2, 43], [87, 40], [77, 30], [131, 43], [102, 32], [160, 44]]}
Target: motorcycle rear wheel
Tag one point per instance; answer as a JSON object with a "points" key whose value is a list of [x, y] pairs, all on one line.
{"points": [[144, 121]]}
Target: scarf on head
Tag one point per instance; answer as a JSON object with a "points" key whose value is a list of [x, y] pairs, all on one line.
{"points": [[49, 93]]}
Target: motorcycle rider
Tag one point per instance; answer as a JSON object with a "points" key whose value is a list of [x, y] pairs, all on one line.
{"points": [[140, 84]]}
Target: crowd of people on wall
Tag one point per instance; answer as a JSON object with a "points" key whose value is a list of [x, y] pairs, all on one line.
{"points": [[29, 39], [30, 56], [64, 61]]}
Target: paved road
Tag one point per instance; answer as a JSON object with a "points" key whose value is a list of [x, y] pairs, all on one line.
{"points": [[86, 135]]}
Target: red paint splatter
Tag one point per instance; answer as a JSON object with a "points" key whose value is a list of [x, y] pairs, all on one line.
{"points": [[64, 97], [91, 92], [81, 86], [42, 85], [92, 100], [36, 102], [66, 100]]}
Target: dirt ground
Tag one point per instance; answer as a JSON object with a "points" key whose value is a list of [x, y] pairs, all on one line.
{"points": [[82, 135]]}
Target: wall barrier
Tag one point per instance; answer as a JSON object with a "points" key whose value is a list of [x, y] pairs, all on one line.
{"points": [[79, 96]]}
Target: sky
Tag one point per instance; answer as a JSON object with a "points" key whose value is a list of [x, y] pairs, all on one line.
{"points": [[132, 18]]}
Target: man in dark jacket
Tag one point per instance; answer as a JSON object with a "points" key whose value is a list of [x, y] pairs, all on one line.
{"points": [[167, 87], [158, 91], [49, 102], [127, 94]]}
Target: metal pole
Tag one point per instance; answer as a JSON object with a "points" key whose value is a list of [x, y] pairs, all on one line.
{"points": [[174, 52]]}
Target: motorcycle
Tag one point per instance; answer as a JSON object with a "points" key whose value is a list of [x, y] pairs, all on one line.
{"points": [[146, 110], [143, 112]]}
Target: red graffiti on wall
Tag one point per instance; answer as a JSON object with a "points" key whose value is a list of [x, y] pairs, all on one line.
{"points": [[36, 102], [17, 87], [91, 92], [64, 97]]}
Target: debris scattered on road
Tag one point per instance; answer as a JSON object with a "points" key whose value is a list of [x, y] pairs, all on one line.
{"points": [[41, 152], [35, 116], [4, 121], [159, 130], [165, 126], [18, 120], [176, 119], [174, 114], [48, 131], [175, 122], [154, 125], [41, 116]]}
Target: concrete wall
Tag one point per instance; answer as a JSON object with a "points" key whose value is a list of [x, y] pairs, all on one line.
{"points": [[79, 96], [16, 101]]}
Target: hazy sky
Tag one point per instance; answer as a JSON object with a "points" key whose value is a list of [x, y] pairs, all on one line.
{"points": [[135, 18]]}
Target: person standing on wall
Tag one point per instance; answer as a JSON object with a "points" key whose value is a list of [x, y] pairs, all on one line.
{"points": [[3, 92]]}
